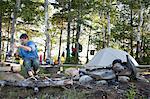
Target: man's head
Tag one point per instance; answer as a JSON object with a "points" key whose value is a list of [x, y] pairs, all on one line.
{"points": [[24, 38]]}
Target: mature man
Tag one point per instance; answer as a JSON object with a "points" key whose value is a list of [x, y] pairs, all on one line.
{"points": [[28, 52]]}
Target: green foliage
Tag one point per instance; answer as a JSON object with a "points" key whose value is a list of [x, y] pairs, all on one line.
{"points": [[72, 60], [24, 73], [73, 94], [30, 11], [145, 60], [44, 93], [146, 50], [131, 93], [6, 8]]}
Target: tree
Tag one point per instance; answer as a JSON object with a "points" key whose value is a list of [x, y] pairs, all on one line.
{"points": [[16, 8], [68, 32], [0, 34], [139, 31], [46, 28], [108, 22]]}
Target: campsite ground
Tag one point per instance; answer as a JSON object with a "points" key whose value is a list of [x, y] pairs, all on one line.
{"points": [[131, 90], [134, 90]]}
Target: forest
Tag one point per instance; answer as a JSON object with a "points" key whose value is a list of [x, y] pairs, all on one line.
{"points": [[68, 34], [77, 24]]}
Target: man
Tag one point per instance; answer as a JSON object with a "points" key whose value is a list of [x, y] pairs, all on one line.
{"points": [[28, 52]]}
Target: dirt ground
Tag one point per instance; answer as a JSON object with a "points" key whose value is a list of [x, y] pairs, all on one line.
{"points": [[132, 90]]}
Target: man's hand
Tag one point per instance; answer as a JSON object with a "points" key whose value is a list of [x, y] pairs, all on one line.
{"points": [[16, 45]]}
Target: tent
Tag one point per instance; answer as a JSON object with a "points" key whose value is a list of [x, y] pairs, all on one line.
{"points": [[106, 56]]}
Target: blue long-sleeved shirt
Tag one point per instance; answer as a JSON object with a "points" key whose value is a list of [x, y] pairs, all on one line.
{"points": [[29, 54]]}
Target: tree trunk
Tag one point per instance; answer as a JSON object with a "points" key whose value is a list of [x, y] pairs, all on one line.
{"points": [[131, 23], [77, 38], [131, 44], [73, 35], [8, 31], [131, 38], [104, 35], [46, 30], [44, 56], [103, 27], [0, 34], [68, 33], [108, 26], [99, 46], [59, 57], [87, 56], [138, 47], [17, 5]]}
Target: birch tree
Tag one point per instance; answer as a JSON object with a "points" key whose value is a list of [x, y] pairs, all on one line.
{"points": [[108, 24], [61, 32], [46, 29], [103, 27], [0, 34], [139, 30], [14, 16]]}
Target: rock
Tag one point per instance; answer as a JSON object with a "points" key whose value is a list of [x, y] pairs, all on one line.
{"points": [[132, 67], [2, 83], [102, 82], [103, 74], [112, 82], [16, 68], [11, 67], [82, 72], [5, 69], [142, 78], [117, 67], [85, 79], [123, 79], [76, 78], [72, 72], [125, 72], [66, 82], [11, 76], [120, 91]]}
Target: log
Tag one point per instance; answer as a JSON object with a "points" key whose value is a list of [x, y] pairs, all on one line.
{"points": [[4, 64], [5, 68], [10, 67], [36, 83], [15, 67], [143, 66]]}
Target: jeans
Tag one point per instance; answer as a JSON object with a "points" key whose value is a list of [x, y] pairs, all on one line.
{"points": [[31, 64]]}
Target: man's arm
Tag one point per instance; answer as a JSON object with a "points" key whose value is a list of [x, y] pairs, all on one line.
{"points": [[27, 48]]}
